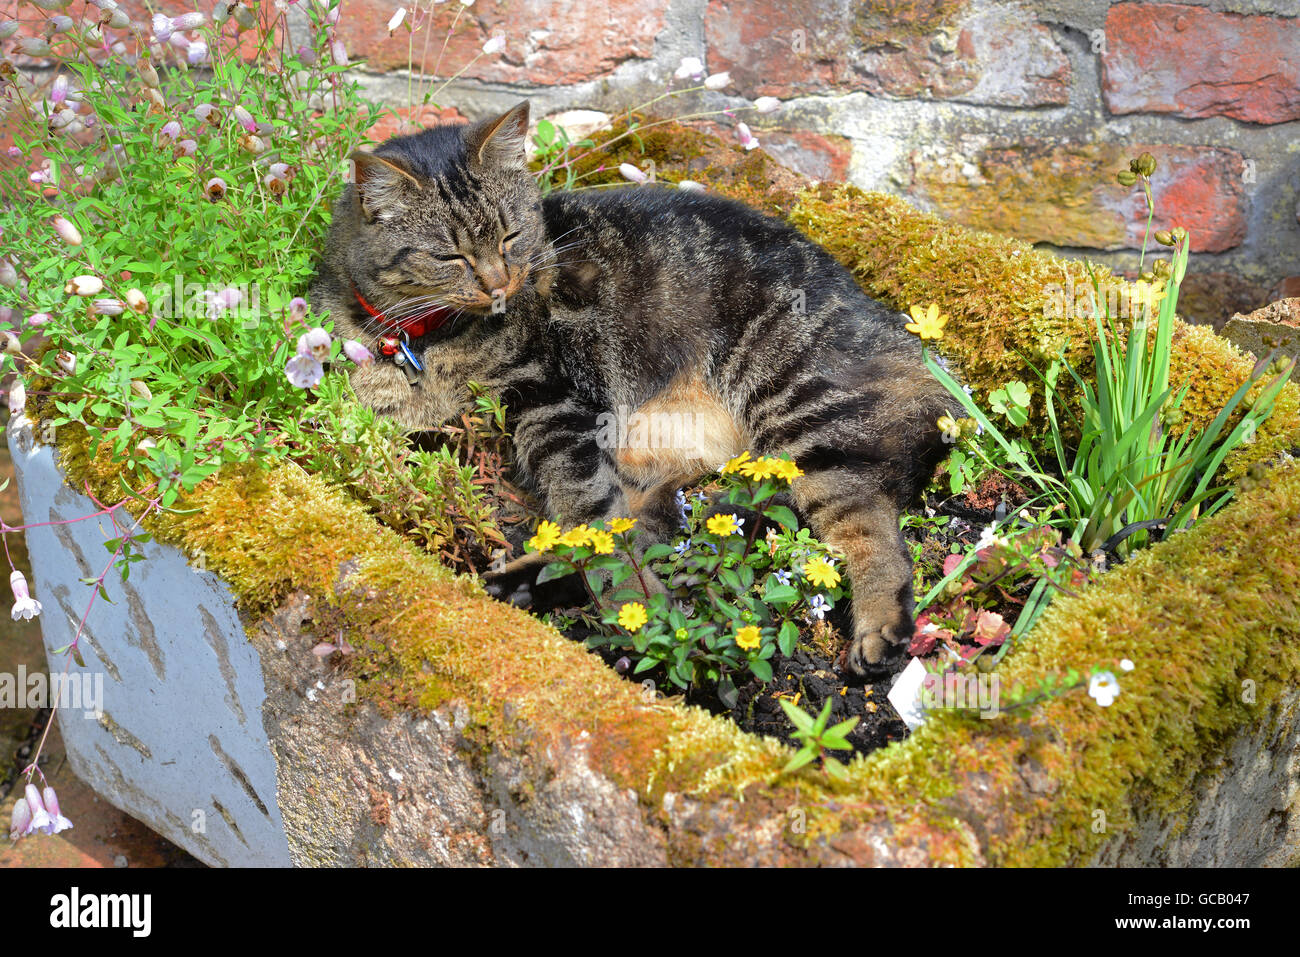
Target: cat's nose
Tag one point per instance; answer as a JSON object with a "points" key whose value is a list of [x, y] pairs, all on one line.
{"points": [[494, 277]]}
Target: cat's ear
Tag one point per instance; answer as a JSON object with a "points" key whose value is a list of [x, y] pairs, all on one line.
{"points": [[499, 142], [383, 184]]}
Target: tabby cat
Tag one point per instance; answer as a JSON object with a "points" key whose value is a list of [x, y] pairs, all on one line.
{"points": [[671, 305]]}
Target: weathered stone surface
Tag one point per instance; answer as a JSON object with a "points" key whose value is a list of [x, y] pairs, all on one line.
{"points": [[1193, 62], [1043, 191], [402, 120], [1277, 325], [546, 41], [817, 156], [1211, 297], [968, 50], [1287, 287], [1247, 811], [179, 741]]}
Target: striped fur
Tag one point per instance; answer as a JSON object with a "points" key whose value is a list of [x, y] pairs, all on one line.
{"points": [[645, 300]]}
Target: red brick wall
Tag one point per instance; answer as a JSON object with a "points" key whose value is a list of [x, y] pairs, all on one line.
{"points": [[1005, 114], [1011, 115]]}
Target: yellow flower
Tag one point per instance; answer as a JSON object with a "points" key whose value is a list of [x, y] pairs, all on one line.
{"points": [[748, 637], [576, 537], [723, 525], [821, 573], [602, 543], [632, 616], [785, 469], [735, 464], [548, 533], [760, 468], [927, 324], [621, 525], [950, 428]]}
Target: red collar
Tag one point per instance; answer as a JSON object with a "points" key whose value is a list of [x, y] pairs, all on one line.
{"points": [[414, 326]]}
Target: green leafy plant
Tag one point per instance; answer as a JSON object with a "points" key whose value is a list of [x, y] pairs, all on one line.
{"points": [[817, 738], [726, 602], [1128, 477], [448, 499], [1012, 401], [553, 145], [161, 223]]}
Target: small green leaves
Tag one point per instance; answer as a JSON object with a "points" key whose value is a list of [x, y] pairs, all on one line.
{"points": [[1012, 401], [817, 738]]}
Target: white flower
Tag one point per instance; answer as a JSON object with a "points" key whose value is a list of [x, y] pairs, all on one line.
{"points": [[137, 300], [17, 398], [746, 138], [988, 538], [1126, 665], [628, 171], [690, 186], [397, 19], [245, 119], [339, 53], [689, 67], [41, 820], [25, 607], [1104, 688], [84, 286], [303, 372], [162, 27], [220, 300], [67, 231], [67, 362], [717, 81], [767, 104], [357, 353], [495, 45], [188, 21], [314, 344], [33, 46], [107, 307], [57, 821]]}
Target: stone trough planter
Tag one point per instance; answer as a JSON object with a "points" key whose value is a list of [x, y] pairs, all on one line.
{"points": [[464, 731]]}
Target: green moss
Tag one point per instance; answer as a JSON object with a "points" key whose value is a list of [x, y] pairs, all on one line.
{"points": [[877, 22], [957, 790], [1001, 296]]}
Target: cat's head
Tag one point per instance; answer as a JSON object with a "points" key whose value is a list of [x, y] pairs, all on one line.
{"points": [[450, 216]]}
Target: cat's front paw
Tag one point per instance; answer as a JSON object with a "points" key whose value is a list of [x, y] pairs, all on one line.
{"points": [[381, 386], [881, 635]]}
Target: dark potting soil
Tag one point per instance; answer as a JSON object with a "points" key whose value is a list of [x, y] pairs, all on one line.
{"points": [[815, 672]]}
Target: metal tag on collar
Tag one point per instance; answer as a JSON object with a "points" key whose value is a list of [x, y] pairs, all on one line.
{"points": [[413, 362]]}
